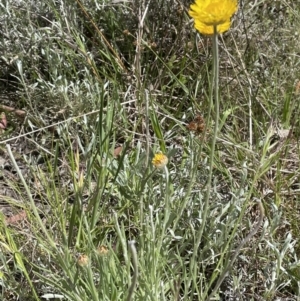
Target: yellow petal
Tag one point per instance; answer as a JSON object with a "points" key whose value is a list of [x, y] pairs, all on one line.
{"points": [[209, 29], [212, 12]]}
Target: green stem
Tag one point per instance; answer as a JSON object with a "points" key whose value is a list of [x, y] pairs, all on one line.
{"points": [[135, 270], [166, 210], [215, 95]]}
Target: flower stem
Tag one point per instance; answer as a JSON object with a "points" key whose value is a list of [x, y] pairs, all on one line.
{"points": [[213, 96], [135, 269]]}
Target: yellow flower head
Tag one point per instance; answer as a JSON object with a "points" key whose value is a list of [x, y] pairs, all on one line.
{"points": [[160, 160], [210, 13]]}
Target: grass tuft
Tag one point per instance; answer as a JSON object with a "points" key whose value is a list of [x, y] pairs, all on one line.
{"points": [[90, 92]]}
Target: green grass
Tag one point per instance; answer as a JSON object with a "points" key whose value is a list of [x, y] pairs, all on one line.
{"points": [[87, 87]]}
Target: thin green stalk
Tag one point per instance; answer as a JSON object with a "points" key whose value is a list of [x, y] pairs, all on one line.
{"points": [[215, 86], [166, 209], [215, 81], [91, 283], [135, 269]]}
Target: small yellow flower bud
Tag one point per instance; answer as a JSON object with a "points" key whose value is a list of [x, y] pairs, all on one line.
{"points": [[160, 160]]}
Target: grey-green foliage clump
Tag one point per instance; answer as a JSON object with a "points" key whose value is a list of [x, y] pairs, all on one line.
{"points": [[90, 91]]}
